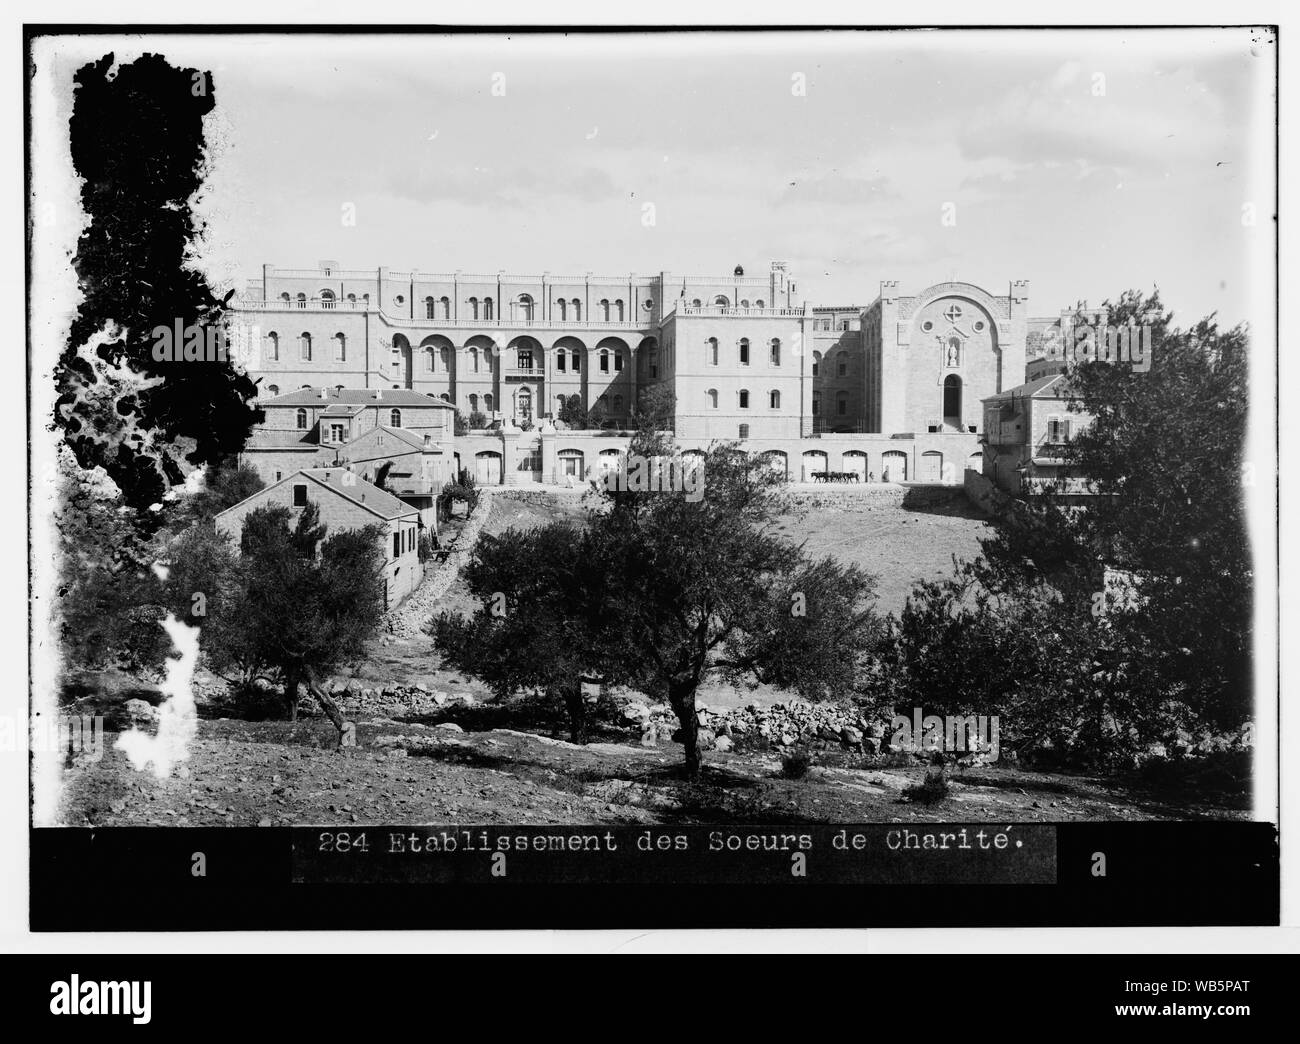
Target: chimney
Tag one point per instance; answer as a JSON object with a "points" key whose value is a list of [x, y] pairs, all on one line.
{"points": [[324, 394], [379, 393]]}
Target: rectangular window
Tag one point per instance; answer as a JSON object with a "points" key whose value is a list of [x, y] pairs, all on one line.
{"points": [[744, 400], [397, 544], [842, 407], [604, 363], [299, 496], [618, 362], [776, 355], [744, 353], [577, 362], [336, 433], [525, 360], [559, 362]]}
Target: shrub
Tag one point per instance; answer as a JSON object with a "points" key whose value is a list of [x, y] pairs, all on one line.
{"points": [[795, 763], [477, 419]]}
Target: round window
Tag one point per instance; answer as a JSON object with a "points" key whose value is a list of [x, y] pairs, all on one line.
{"points": [[927, 326], [648, 305], [400, 299], [979, 324]]}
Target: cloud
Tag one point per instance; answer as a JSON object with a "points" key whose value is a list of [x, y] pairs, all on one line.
{"points": [[836, 189]]}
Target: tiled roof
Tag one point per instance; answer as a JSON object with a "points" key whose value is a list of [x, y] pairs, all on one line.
{"points": [[357, 396], [277, 438], [401, 434], [1040, 387], [362, 493]]}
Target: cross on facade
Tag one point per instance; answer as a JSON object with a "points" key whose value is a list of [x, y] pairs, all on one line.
{"points": [[952, 314]]}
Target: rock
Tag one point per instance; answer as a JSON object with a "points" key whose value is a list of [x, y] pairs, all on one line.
{"points": [[705, 738], [439, 698], [448, 726], [421, 687], [851, 737], [722, 743], [264, 822], [467, 700], [140, 712], [786, 740], [636, 711], [367, 694], [354, 687]]}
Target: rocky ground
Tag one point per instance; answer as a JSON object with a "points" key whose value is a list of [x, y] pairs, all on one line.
{"points": [[433, 747]]}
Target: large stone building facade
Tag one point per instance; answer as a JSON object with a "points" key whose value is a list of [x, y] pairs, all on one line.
{"points": [[743, 356]]}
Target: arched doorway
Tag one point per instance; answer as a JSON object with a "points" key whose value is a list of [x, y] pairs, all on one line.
{"points": [[893, 466], [952, 400]]}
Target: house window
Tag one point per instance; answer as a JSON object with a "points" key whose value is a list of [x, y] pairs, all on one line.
{"points": [[776, 352], [446, 307], [844, 324], [842, 365], [618, 310], [302, 300], [397, 544], [774, 399], [279, 475], [744, 431], [428, 359], [487, 402], [525, 360], [814, 368], [604, 310], [744, 351], [273, 347], [274, 389], [618, 362], [473, 307], [299, 496], [563, 306], [560, 361], [577, 362], [744, 399], [473, 403], [302, 420], [340, 348], [842, 404], [604, 361], [395, 418], [817, 403], [304, 347], [428, 308], [487, 308], [618, 404], [336, 433], [713, 351], [713, 398], [577, 310]]}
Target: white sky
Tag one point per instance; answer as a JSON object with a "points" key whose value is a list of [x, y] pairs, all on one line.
{"points": [[1084, 194]]}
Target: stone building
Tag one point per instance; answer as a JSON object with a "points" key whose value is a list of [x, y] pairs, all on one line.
{"points": [[1025, 428], [743, 357], [345, 502]]}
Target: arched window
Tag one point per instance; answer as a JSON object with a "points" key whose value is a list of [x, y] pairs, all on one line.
{"points": [[618, 309], [604, 360], [302, 300], [713, 351], [743, 399], [487, 402], [327, 299], [524, 308], [577, 310], [604, 310], [429, 366], [816, 362], [445, 302], [695, 302], [473, 360], [428, 308], [776, 351], [487, 308], [352, 300], [394, 418], [744, 302], [445, 397], [285, 298], [576, 360], [473, 403], [304, 347], [759, 303], [273, 389], [721, 301], [563, 306], [273, 347], [340, 347], [774, 399], [713, 398], [301, 417], [473, 307], [744, 351]]}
